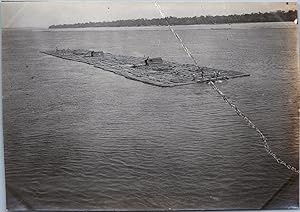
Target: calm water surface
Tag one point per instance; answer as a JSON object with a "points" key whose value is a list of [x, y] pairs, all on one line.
{"points": [[80, 137]]}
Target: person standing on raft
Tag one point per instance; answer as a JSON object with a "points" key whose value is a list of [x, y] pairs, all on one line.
{"points": [[201, 69], [146, 61]]}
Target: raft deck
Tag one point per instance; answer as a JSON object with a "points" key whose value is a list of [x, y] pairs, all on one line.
{"points": [[165, 74]]}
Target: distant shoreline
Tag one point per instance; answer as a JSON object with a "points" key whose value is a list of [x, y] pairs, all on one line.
{"points": [[278, 16], [165, 26], [132, 27]]}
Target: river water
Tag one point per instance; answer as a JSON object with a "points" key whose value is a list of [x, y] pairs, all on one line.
{"points": [[78, 137]]}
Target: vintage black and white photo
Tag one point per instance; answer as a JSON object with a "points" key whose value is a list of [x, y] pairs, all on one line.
{"points": [[150, 105]]}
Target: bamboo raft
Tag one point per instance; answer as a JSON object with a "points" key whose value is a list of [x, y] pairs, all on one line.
{"points": [[153, 71]]}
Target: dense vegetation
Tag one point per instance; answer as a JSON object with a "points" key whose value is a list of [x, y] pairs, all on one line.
{"points": [[277, 16]]}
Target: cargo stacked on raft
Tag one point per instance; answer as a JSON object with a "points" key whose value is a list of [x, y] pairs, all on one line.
{"points": [[154, 71]]}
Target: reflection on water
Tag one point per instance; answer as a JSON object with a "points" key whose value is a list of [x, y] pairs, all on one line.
{"points": [[80, 137]]}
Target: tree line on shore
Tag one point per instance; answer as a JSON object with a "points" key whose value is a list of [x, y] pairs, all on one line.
{"points": [[278, 16]]}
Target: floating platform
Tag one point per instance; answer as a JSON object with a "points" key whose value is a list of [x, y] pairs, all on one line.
{"points": [[153, 71]]}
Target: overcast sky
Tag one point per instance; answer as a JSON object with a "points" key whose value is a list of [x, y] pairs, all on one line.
{"points": [[43, 14]]}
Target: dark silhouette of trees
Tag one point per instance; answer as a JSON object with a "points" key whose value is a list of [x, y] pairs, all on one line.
{"points": [[278, 16]]}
